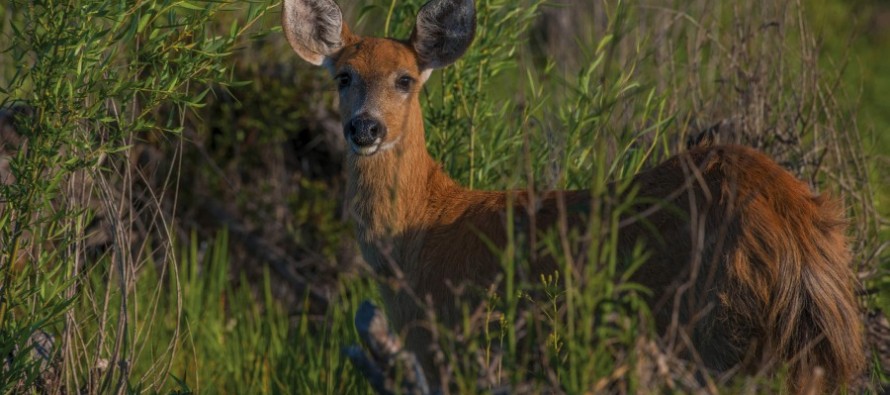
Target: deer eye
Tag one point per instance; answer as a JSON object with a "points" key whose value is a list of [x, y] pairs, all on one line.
{"points": [[343, 80], [404, 83]]}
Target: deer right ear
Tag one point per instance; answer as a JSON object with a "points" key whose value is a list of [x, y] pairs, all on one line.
{"points": [[314, 28], [444, 31]]}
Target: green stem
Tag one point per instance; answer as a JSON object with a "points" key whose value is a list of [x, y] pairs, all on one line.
{"points": [[392, 6]]}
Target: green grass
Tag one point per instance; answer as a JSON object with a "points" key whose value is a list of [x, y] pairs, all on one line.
{"points": [[138, 116], [853, 34], [239, 339]]}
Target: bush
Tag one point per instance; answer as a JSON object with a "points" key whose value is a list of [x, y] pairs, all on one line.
{"points": [[167, 174]]}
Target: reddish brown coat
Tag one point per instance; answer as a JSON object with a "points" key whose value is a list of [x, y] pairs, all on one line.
{"points": [[729, 231]]}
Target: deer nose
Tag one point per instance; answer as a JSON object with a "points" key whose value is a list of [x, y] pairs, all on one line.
{"points": [[364, 131]]}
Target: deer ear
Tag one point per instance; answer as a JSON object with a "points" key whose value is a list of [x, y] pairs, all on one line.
{"points": [[314, 28], [444, 31]]}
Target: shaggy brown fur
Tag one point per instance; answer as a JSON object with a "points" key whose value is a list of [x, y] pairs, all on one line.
{"points": [[736, 235]]}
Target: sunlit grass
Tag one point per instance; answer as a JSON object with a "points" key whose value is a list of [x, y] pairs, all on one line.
{"points": [[99, 251]]}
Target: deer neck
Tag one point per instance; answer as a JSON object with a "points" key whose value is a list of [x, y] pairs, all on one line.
{"points": [[389, 193]]}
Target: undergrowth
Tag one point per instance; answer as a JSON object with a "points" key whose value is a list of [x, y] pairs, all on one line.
{"points": [[170, 215]]}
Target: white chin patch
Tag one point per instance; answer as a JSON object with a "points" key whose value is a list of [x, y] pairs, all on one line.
{"points": [[378, 146], [365, 151]]}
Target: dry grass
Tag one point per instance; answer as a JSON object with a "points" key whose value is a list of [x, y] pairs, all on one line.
{"points": [[264, 161]]}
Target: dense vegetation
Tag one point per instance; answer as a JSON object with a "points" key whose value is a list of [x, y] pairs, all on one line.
{"points": [[170, 175]]}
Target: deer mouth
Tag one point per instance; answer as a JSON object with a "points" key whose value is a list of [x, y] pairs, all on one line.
{"points": [[377, 146]]}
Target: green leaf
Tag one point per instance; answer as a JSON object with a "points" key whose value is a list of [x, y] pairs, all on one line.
{"points": [[189, 6]]}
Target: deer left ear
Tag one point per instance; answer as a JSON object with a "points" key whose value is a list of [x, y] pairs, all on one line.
{"points": [[314, 28], [444, 31]]}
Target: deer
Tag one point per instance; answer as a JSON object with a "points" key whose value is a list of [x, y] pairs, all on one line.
{"points": [[773, 259]]}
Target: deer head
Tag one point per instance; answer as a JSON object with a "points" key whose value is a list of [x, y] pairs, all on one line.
{"points": [[379, 79]]}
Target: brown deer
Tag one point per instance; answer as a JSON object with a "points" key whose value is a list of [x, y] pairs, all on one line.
{"points": [[767, 256]]}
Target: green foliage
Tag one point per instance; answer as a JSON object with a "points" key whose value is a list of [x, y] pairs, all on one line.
{"points": [[90, 79], [151, 307], [201, 327]]}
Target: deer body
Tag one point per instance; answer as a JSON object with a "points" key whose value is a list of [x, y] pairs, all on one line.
{"points": [[754, 245]]}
